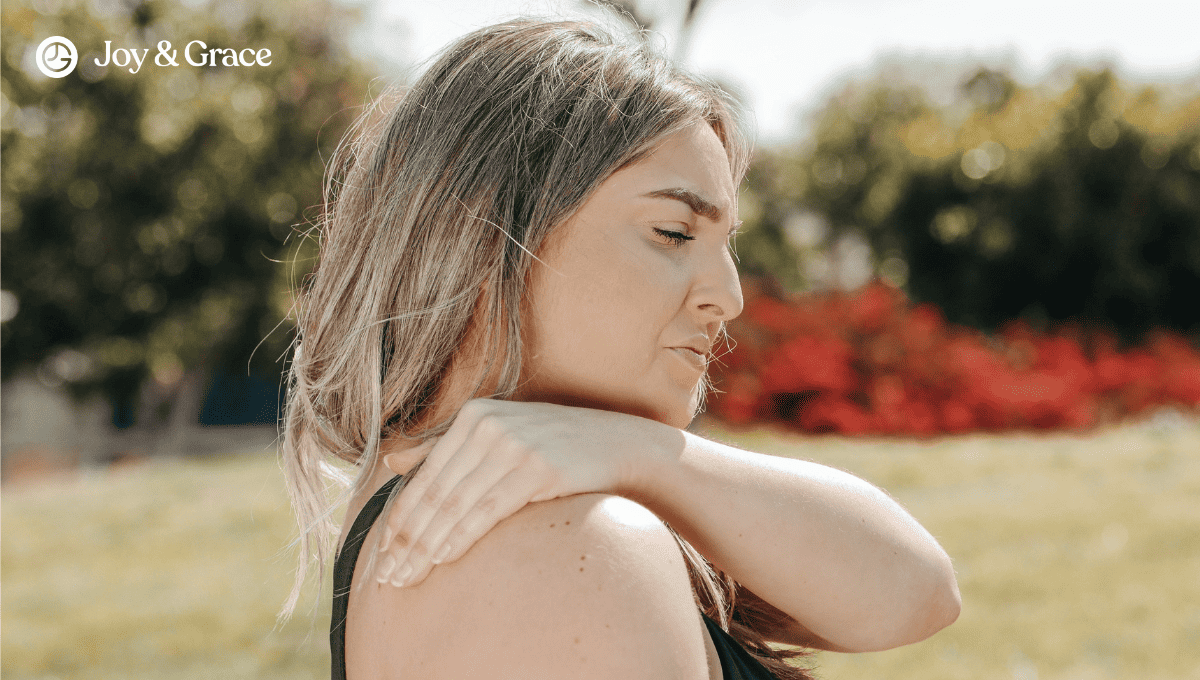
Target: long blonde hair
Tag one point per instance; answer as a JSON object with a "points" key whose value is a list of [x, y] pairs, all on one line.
{"points": [[443, 192]]}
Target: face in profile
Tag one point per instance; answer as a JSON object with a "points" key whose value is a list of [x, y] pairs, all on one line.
{"points": [[630, 293]]}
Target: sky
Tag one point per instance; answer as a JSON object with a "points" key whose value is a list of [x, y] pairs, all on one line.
{"points": [[788, 56]]}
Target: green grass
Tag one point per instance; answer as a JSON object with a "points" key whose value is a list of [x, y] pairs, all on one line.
{"points": [[171, 569], [1078, 558]]}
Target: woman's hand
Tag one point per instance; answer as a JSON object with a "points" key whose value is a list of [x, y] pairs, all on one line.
{"points": [[496, 457]]}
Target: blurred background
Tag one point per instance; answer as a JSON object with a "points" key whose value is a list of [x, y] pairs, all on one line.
{"points": [[970, 259]]}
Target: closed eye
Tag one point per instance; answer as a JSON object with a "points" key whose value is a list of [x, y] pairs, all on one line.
{"points": [[676, 238]]}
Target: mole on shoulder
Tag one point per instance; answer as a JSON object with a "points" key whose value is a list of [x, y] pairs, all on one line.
{"points": [[568, 522]]}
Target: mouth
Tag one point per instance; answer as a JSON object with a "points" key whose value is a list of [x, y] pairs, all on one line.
{"points": [[691, 357]]}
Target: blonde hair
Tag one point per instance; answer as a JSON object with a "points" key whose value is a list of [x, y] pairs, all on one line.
{"points": [[444, 192]]}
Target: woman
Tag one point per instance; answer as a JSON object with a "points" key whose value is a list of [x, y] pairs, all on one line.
{"points": [[524, 270]]}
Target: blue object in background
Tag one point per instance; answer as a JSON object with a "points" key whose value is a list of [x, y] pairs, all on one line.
{"points": [[234, 399]]}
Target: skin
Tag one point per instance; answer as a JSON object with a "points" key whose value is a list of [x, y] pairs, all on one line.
{"points": [[606, 392], [623, 288]]}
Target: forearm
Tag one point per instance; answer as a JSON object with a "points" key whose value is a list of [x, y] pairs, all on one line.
{"points": [[828, 549]]}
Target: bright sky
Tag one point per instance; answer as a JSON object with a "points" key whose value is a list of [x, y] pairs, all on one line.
{"points": [[787, 55]]}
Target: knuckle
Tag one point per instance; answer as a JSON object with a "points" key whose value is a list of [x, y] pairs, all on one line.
{"points": [[527, 455], [452, 503], [431, 495], [474, 408], [419, 549], [458, 533], [403, 539], [490, 426], [487, 504], [532, 463], [518, 443]]}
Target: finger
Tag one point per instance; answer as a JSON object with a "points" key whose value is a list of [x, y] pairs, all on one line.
{"points": [[483, 462], [403, 461], [459, 502], [423, 493], [516, 490], [439, 452], [401, 464], [508, 496], [424, 504]]}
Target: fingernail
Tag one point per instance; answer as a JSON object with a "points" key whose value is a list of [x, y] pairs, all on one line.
{"points": [[398, 579], [442, 554], [385, 568]]}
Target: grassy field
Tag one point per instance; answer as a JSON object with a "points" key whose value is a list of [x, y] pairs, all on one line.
{"points": [[1078, 559]]}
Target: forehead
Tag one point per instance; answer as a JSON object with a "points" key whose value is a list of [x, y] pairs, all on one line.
{"points": [[692, 159]]}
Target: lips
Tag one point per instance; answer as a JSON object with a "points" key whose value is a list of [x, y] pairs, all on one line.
{"points": [[691, 357]]}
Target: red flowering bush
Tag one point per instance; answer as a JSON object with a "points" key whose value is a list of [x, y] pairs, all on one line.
{"points": [[871, 362]]}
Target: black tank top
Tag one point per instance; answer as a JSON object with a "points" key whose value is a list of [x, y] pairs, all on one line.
{"points": [[736, 662]]}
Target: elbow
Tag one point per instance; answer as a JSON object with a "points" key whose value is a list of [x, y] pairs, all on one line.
{"points": [[945, 604], [938, 606], [932, 603]]}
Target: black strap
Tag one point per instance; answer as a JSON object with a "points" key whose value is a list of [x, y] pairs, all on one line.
{"points": [[737, 663], [343, 571]]}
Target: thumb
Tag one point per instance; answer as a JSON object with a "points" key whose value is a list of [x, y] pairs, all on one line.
{"points": [[403, 461]]}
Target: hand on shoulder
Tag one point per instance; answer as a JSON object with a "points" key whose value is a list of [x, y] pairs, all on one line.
{"points": [[497, 456]]}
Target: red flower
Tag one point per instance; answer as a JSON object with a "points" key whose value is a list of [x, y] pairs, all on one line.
{"points": [[739, 401], [870, 308], [806, 363], [834, 414], [815, 360], [956, 417]]}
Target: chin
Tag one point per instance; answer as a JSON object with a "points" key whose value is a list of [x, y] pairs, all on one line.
{"points": [[679, 415], [675, 408], [679, 422]]}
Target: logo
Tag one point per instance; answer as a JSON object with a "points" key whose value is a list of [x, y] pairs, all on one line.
{"points": [[57, 56]]}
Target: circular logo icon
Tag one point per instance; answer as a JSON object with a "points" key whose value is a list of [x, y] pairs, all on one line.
{"points": [[57, 56]]}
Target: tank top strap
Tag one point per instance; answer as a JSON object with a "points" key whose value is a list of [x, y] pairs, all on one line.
{"points": [[343, 572], [737, 663]]}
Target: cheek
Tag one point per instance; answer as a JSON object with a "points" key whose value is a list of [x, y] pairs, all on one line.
{"points": [[608, 308]]}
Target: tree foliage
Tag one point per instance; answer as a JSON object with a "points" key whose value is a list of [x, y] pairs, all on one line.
{"points": [[1007, 202], [145, 215]]}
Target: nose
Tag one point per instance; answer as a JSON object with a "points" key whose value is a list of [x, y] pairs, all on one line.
{"points": [[717, 291]]}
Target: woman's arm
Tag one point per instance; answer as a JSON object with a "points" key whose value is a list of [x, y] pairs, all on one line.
{"points": [[842, 559], [838, 555]]}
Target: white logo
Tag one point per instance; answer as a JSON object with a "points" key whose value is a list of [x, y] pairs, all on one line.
{"points": [[57, 56]]}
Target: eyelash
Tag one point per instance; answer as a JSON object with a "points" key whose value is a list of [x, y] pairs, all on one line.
{"points": [[676, 238]]}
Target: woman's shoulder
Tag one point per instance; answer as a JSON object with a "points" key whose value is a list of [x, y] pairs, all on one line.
{"points": [[590, 585]]}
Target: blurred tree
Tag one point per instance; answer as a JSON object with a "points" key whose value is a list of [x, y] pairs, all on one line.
{"points": [[1007, 202], [144, 213]]}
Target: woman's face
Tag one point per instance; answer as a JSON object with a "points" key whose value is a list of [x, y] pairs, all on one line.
{"points": [[637, 282]]}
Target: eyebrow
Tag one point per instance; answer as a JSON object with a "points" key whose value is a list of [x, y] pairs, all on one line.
{"points": [[693, 200]]}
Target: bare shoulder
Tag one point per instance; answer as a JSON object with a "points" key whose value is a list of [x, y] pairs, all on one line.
{"points": [[587, 586]]}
